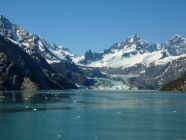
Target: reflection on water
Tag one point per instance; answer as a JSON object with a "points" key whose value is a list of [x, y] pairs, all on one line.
{"points": [[80, 99], [32, 97], [92, 115], [32, 101]]}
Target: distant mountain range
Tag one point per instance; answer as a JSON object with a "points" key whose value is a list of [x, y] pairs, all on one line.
{"points": [[153, 65], [131, 64], [135, 51]]}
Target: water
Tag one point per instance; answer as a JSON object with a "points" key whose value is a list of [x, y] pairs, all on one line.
{"points": [[93, 115]]}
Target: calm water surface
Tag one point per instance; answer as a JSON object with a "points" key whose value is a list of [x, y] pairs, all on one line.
{"points": [[93, 115]]}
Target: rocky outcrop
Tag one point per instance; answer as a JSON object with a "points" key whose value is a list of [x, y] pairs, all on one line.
{"points": [[90, 57], [28, 85]]}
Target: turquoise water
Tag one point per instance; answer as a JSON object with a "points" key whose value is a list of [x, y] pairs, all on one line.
{"points": [[93, 115]]}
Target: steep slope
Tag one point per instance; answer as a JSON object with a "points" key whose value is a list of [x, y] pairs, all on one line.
{"points": [[177, 85], [155, 76], [19, 70], [61, 52], [58, 57], [31, 43]]}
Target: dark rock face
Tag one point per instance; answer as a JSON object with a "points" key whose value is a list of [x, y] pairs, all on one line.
{"points": [[9, 76], [177, 85], [18, 70], [92, 72], [71, 71], [90, 57]]}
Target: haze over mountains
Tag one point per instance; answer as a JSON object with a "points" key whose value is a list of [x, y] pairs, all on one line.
{"points": [[131, 64]]}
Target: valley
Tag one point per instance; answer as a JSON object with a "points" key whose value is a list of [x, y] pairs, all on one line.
{"points": [[128, 65]]}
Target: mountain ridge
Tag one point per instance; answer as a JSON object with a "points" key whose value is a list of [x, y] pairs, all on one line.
{"points": [[40, 49], [134, 45], [18, 70], [140, 60], [155, 64]]}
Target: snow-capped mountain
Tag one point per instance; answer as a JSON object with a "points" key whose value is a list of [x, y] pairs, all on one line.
{"points": [[136, 51], [146, 65], [176, 45], [49, 56], [31, 43], [154, 64], [63, 53]]}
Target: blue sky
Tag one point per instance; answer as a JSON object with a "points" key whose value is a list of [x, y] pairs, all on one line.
{"points": [[96, 24]]}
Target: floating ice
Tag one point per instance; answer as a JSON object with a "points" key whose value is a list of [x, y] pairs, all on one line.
{"points": [[119, 112], [35, 109], [174, 111], [59, 136]]}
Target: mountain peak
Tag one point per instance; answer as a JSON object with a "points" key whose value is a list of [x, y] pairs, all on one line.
{"points": [[4, 22], [176, 39], [3, 17], [176, 36], [133, 38]]}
